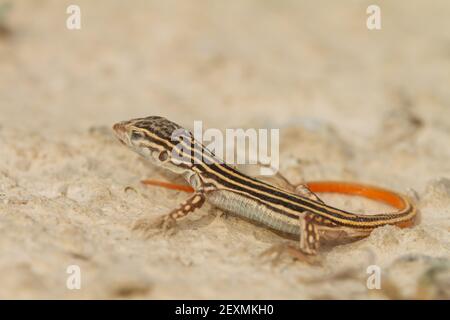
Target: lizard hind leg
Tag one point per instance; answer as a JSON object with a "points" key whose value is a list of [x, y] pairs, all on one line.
{"points": [[303, 190], [309, 243], [279, 180], [168, 221], [309, 235]]}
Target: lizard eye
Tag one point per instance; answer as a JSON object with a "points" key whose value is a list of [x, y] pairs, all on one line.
{"points": [[163, 156], [136, 135]]}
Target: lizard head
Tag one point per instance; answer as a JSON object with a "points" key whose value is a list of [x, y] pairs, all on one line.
{"points": [[157, 139]]}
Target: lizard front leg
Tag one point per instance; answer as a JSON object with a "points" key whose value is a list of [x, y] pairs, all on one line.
{"points": [[168, 221]]}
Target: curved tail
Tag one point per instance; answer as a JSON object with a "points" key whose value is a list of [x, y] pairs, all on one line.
{"points": [[404, 217]]}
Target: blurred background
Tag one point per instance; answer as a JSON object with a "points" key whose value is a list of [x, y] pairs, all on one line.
{"points": [[222, 62], [351, 103]]}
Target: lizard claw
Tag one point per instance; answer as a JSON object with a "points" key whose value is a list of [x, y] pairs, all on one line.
{"points": [[279, 249], [151, 227]]}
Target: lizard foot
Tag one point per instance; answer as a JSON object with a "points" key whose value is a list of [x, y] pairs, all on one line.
{"points": [[151, 227], [275, 253]]}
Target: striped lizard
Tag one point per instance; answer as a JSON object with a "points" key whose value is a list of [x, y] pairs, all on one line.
{"points": [[298, 212]]}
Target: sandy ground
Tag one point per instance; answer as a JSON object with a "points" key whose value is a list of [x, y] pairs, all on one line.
{"points": [[351, 104]]}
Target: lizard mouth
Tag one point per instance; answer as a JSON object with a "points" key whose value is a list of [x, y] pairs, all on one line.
{"points": [[120, 131], [118, 127]]}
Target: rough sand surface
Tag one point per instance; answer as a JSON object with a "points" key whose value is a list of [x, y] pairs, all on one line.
{"points": [[351, 104]]}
